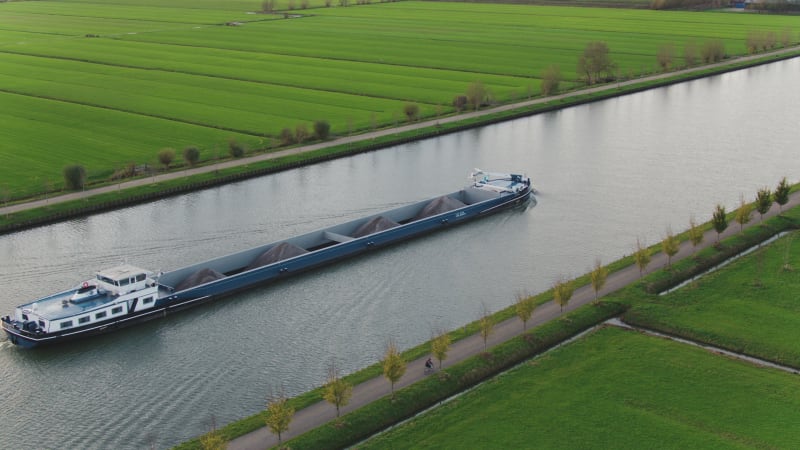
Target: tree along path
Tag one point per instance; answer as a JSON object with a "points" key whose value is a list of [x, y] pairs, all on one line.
{"points": [[10, 209], [319, 413]]}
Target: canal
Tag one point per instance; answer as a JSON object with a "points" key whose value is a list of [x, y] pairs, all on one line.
{"points": [[607, 173]]}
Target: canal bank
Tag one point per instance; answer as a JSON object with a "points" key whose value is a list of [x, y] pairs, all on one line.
{"points": [[322, 413], [121, 194]]}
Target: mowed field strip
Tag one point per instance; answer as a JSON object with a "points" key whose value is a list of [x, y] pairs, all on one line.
{"points": [[622, 388], [615, 388], [129, 78]]}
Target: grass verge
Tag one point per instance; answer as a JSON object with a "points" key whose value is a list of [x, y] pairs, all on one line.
{"points": [[614, 389]]}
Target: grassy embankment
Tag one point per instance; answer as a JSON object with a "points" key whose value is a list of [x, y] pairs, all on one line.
{"points": [[616, 389], [750, 307], [171, 75], [474, 370], [620, 387]]}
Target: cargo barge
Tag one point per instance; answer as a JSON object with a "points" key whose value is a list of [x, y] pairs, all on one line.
{"points": [[124, 295]]}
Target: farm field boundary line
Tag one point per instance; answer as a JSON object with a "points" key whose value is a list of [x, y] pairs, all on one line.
{"points": [[129, 111], [368, 141], [216, 76], [617, 322]]}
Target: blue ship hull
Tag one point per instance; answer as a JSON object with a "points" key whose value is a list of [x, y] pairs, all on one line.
{"points": [[316, 249]]}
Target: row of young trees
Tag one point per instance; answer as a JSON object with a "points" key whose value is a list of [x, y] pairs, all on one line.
{"points": [[75, 175], [337, 391], [719, 222]]}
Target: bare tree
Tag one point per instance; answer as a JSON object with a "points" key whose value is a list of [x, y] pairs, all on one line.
{"points": [[719, 220], [551, 79], [598, 276], [393, 364], [670, 246], [786, 37], [268, 6], [713, 51], [562, 292], [665, 56], [595, 61], [641, 256], [486, 324], [337, 391], [743, 213], [301, 133], [440, 345], [690, 53], [477, 94], [279, 414], [695, 233], [524, 307]]}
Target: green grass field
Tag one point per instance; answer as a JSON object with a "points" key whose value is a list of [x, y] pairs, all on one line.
{"points": [[175, 66], [751, 306], [616, 389]]}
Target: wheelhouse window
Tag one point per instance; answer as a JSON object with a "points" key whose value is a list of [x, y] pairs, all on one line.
{"points": [[116, 310], [100, 315], [84, 319], [140, 277], [147, 300], [124, 282], [66, 324]]}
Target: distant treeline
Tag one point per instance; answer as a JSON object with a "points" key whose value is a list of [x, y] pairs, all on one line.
{"points": [[778, 6]]}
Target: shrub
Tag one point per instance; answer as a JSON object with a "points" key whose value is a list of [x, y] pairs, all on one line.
{"points": [[74, 177], [690, 53], [322, 129], [301, 133], [665, 56], [191, 155], [166, 156], [236, 149], [411, 110], [286, 136], [460, 101], [551, 78], [126, 171], [713, 51], [268, 6]]}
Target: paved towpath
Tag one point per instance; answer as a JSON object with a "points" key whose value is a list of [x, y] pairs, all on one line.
{"points": [[10, 209], [371, 390]]}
